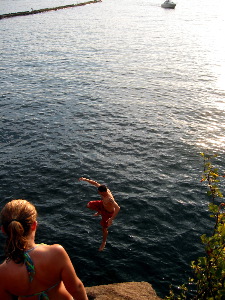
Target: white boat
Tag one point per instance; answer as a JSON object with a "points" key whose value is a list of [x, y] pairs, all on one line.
{"points": [[168, 4]]}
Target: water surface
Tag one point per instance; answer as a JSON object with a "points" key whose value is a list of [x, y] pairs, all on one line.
{"points": [[128, 94]]}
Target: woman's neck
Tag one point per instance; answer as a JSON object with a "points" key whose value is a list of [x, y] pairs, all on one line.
{"points": [[31, 241]]}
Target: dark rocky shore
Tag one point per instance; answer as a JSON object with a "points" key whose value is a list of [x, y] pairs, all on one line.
{"points": [[38, 11], [122, 291]]}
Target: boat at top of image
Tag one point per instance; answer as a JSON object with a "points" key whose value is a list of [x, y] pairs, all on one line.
{"points": [[168, 4]]}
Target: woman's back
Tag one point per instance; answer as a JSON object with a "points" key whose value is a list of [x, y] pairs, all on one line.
{"points": [[48, 264], [34, 271]]}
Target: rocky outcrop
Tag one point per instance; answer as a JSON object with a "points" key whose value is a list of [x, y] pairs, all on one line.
{"points": [[122, 291], [38, 11]]}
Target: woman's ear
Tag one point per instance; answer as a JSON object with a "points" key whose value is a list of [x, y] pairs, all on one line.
{"points": [[34, 226]]}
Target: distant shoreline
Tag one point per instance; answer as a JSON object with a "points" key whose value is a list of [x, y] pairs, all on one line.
{"points": [[38, 11]]}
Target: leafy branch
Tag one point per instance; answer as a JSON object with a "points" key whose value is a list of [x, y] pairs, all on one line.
{"points": [[209, 271]]}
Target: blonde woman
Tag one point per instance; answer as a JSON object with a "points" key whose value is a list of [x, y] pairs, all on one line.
{"points": [[34, 271]]}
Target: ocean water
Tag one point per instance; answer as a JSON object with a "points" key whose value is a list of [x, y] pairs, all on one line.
{"points": [[128, 94]]}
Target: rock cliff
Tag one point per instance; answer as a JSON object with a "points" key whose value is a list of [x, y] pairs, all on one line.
{"points": [[122, 291]]}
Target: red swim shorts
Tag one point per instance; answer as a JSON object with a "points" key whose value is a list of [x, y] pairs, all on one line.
{"points": [[98, 206]]}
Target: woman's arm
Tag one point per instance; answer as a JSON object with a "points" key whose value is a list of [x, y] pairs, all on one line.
{"points": [[69, 277]]}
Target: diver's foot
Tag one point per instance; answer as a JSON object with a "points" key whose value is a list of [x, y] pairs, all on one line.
{"points": [[102, 246]]}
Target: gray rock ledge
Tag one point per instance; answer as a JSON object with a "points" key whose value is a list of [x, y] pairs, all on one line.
{"points": [[122, 291]]}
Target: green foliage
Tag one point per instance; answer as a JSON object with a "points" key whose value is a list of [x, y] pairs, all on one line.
{"points": [[209, 271]]}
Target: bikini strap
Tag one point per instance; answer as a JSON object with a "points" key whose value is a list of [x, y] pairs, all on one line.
{"points": [[42, 295], [29, 250], [29, 263], [29, 266]]}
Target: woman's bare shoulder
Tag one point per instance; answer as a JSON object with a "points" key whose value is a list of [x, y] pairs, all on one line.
{"points": [[47, 247], [55, 249], [7, 268], [2, 267]]}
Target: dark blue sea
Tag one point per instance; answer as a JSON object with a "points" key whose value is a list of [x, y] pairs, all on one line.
{"points": [[126, 93]]}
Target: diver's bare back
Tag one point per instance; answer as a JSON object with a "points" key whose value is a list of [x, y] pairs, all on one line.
{"points": [[108, 201]]}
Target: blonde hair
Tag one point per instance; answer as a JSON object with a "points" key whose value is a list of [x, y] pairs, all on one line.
{"points": [[17, 216]]}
